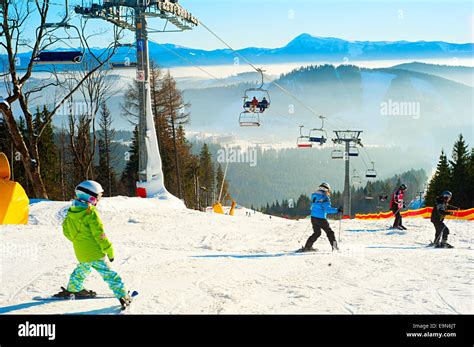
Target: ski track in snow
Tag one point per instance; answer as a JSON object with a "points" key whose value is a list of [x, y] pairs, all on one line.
{"points": [[158, 247]]}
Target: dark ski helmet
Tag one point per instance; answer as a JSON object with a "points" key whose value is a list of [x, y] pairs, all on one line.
{"points": [[447, 194], [403, 186]]}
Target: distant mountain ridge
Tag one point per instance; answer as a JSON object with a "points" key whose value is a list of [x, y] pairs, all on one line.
{"points": [[461, 74], [307, 48]]}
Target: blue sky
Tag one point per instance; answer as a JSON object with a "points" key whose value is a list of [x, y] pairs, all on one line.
{"points": [[273, 23]]}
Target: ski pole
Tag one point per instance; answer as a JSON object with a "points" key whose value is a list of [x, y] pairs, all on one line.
{"points": [[398, 211], [456, 214], [340, 219]]}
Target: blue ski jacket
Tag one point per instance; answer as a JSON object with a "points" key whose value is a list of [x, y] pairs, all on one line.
{"points": [[321, 205]]}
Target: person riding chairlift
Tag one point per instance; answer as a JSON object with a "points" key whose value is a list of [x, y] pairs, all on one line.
{"points": [[263, 104], [253, 104]]}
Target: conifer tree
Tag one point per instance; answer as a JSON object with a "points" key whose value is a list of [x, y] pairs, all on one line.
{"points": [[440, 181], [206, 175], [48, 154], [470, 186], [460, 173], [106, 174], [130, 174]]}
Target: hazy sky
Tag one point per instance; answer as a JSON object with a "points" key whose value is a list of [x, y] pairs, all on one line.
{"points": [[272, 23]]}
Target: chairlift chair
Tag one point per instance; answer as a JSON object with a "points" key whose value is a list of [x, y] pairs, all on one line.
{"points": [[249, 119], [124, 63], [72, 56], [356, 180], [303, 141], [318, 135], [59, 57], [371, 173], [260, 94], [353, 151], [337, 153]]}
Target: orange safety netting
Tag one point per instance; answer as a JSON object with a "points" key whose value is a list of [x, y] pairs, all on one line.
{"points": [[419, 213]]}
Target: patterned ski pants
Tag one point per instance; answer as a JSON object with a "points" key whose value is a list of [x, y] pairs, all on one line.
{"points": [[80, 273]]}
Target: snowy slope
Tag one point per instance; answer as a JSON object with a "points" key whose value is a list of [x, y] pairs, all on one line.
{"points": [[158, 251]]}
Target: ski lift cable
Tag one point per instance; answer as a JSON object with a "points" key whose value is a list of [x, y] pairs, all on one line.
{"points": [[55, 3], [367, 154], [365, 164], [213, 76], [193, 64], [284, 90]]}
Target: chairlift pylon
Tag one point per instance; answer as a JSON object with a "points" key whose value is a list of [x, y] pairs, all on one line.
{"points": [[303, 141], [371, 173]]}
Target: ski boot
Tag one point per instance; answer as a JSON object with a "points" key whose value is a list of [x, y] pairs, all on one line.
{"points": [[125, 301], [306, 249], [335, 247], [444, 244], [64, 293], [84, 293]]}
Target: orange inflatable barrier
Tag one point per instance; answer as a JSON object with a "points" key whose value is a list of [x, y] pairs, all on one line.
{"points": [[419, 213], [217, 208], [232, 208], [13, 200]]}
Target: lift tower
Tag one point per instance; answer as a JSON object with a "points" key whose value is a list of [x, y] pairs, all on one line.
{"points": [[132, 15], [351, 140]]}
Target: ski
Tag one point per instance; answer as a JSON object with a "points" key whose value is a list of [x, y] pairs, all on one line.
{"points": [[55, 298], [125, 306], [431, 244], [302, 250], [297, 252]]}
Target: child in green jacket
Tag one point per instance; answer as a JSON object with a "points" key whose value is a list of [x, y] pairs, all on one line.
{"points": [[85, 230]]}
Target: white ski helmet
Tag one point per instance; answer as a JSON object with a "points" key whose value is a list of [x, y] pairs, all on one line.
{"points": [[447, 194], [89, 191], [325, 187]]}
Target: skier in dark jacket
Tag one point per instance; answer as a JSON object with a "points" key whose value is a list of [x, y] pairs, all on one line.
{"points": [[440, 210], [263, 104], [396, 205], [320, 207]]}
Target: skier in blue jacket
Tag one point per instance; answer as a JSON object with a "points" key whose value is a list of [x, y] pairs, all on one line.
{"points": [[320, 207]]}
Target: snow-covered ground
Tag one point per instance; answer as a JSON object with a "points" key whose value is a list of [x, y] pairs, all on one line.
{"points": [[162, 250]]}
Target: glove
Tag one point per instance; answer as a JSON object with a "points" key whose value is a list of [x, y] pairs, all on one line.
{"points": [[110, 253], [404, 205]]}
